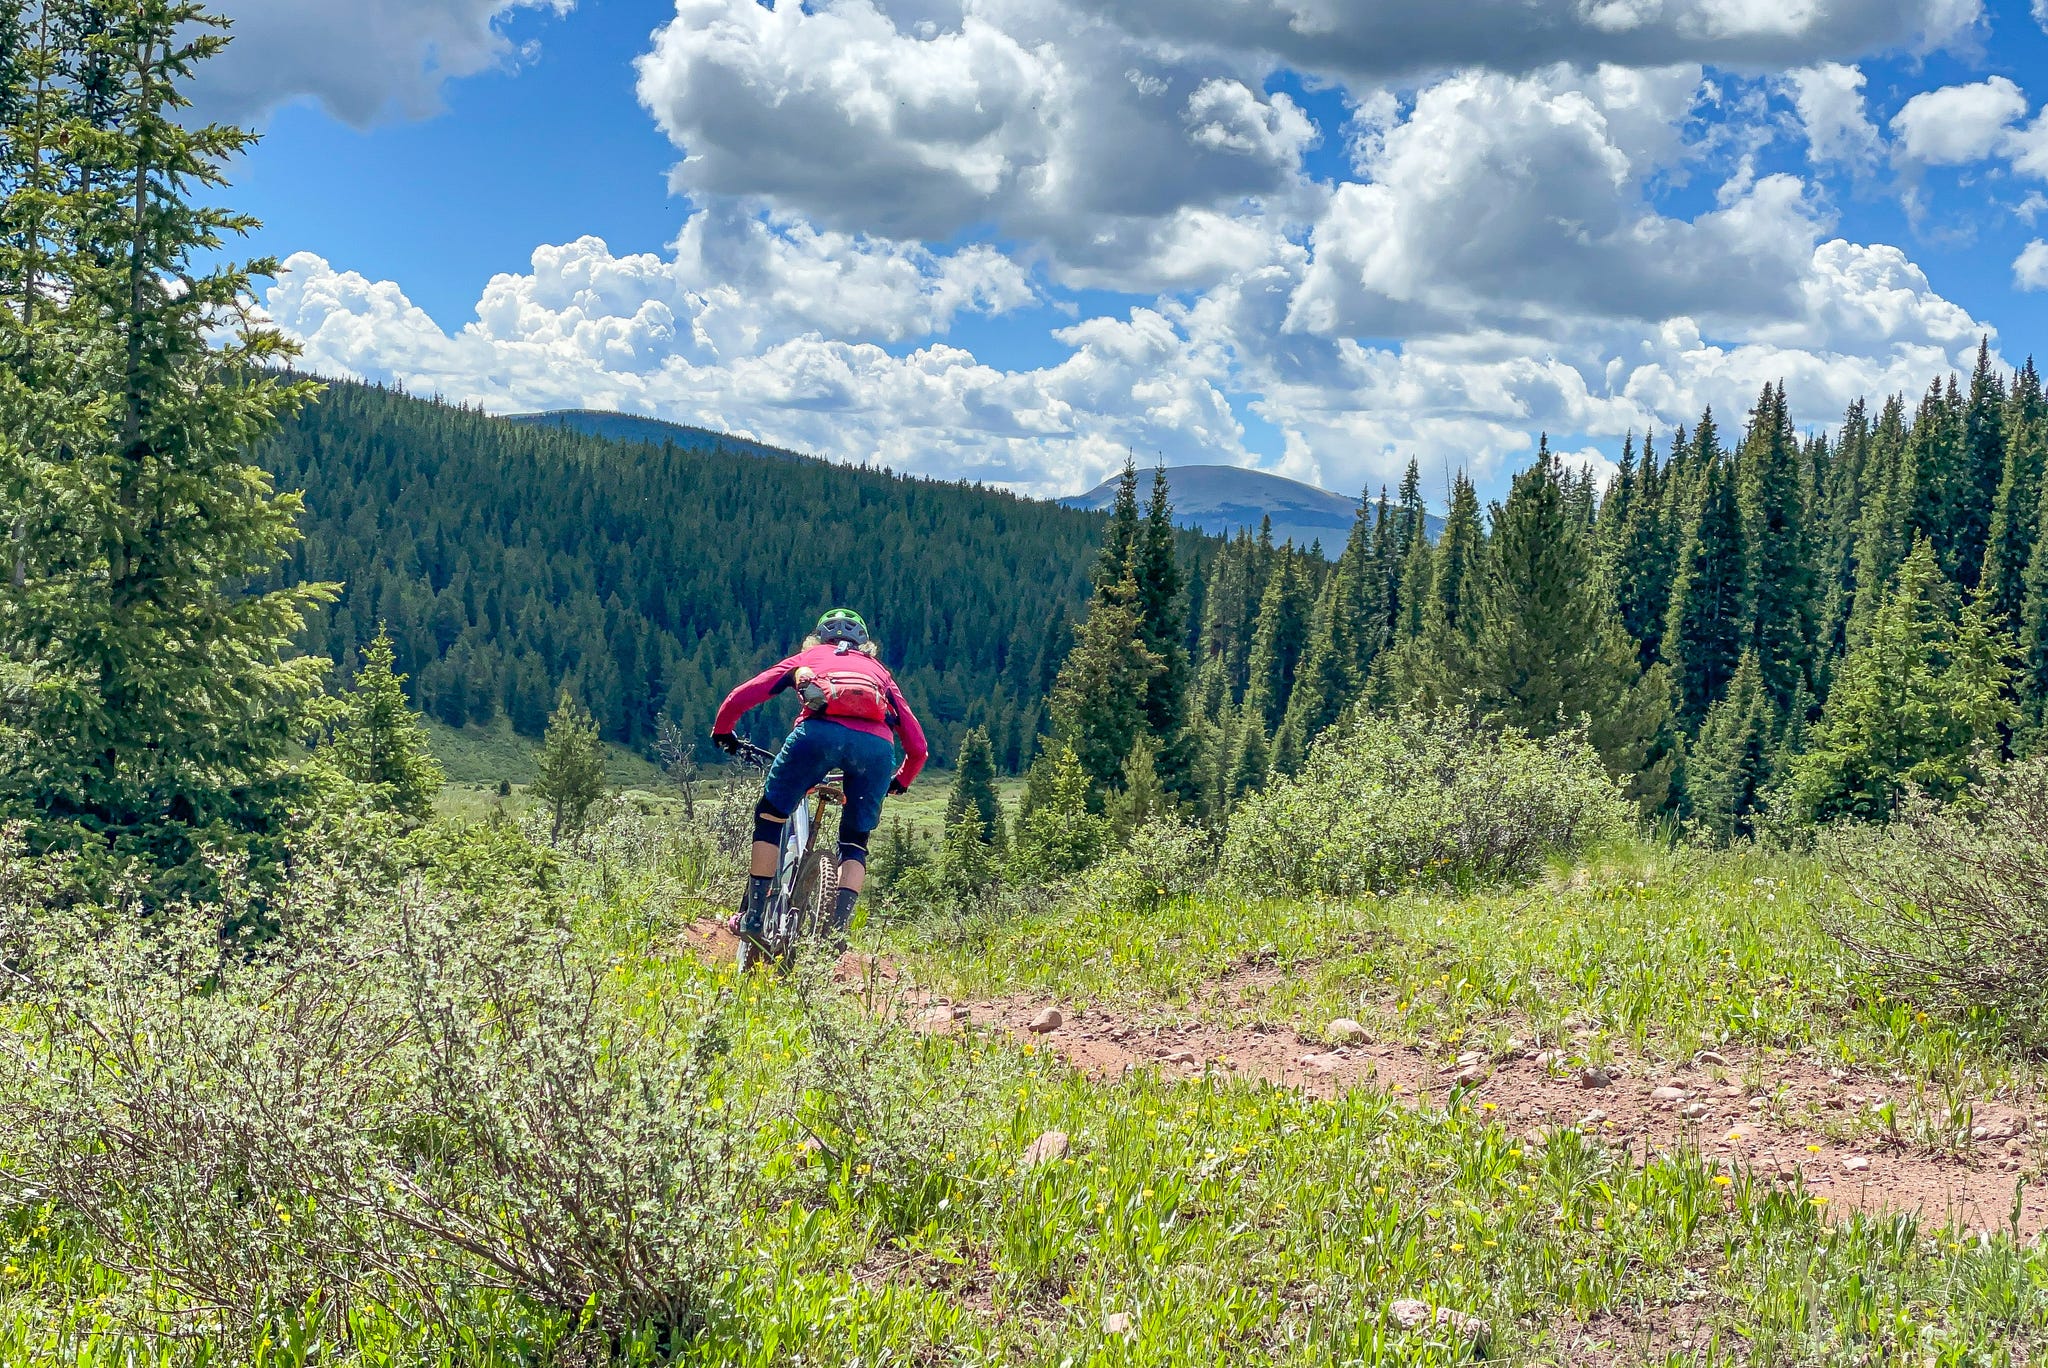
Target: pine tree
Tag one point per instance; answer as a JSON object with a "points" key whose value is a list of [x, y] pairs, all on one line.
{"points": [[1142, 796], [1121, 540], [966, 872], [1841, 500], [1163, 611], [1643, 555], [378, 741], [1980, 470], [1550, 653], [1279, 641], [2016, 517], [1728, 770], [1056, 833], [1709, 621], [571, 769], [1778, 550], [1934, 478], [1098, 708], [974, 786], [1882, 526], [1914, 706], [165, 710], [1434, 671]]}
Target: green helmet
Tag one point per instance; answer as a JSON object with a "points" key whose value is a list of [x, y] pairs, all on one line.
{"points": [[843, 624]]}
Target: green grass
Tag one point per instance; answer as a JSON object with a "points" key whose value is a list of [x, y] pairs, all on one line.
{"points": [[478, 757], [1661, 951], [1227, 1221]]}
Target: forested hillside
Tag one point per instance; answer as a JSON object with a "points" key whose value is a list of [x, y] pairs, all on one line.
{"points": [[509, 559], [1806, 622]]}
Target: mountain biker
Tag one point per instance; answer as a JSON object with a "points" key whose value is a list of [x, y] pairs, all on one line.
{"points": [[853, 714]]}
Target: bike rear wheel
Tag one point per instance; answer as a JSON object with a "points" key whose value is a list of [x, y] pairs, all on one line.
{"points": [[810, 902]]}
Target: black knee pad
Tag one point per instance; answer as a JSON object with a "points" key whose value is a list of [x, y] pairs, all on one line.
{"points": [[768, 823], [853, 846]]}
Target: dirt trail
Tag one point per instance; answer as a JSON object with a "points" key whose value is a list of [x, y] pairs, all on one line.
{"points": [[1731, 1106]]}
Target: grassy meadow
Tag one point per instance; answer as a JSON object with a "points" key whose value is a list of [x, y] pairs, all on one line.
{"points": [[896, 1210]]}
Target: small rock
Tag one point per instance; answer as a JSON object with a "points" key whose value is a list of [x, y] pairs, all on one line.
{"points": [[1593, 1117], [1695, 1110], [1411, 1314], [1979, 1132], [1514, 1043], [1855, 1163], [1046, 1022], [1713, 1059], [1117, 1323], [1045, 1149], [1757, 1103], [1345, 1031], [1669, 1094], [1594, 1077], [1544, 1059], [944, 1015]]}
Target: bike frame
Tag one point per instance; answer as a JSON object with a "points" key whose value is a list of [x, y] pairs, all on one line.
{"points": [[799, 868]]}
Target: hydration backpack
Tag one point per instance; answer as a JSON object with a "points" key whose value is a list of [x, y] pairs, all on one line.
{"points": [[852, 693]]}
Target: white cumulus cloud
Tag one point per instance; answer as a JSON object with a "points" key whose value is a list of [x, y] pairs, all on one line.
{"points": [[363, 60], [1958, 124], [1014, 115], [2030, 270], [1829, 98]]}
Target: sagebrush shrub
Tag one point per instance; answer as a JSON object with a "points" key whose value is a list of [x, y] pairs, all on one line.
{"points": [[1950, 903], [407, 1095], [1385, 801], [1167, 859]]}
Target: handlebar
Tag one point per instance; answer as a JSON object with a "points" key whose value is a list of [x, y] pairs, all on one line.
{"points": [[752, 756]]}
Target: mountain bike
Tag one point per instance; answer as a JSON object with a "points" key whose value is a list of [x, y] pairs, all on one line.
{"points": [[806, 876]]}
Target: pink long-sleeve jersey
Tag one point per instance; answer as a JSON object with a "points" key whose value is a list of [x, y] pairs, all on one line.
{"points": [[773, 680]]}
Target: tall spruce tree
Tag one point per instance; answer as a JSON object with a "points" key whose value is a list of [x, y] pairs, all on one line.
{"points": [[1709, 621], [1163, 613], [1841, 496], [2016, 516], [1434, 670], [1643, 555], [1550, 653], [1729, 768], [1882, 524], [161, 710], [1098, 707], [1919, 704], [1936, 487], [1778, 551], [1981, 461]]}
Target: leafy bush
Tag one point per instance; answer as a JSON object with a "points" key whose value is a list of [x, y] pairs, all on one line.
{"points": [[1166, 860], [405, 1097], [1951, 903], [1385, 801]]}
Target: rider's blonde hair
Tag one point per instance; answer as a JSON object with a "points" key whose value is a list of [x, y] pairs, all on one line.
{"points": [[868, 649]]}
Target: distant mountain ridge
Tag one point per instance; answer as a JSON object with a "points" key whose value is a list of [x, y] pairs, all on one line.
{"points": [[631, 427], [1221, 499], [1218, 500]]}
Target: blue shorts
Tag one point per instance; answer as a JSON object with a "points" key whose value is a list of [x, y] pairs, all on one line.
{"points": [[815, 749]]}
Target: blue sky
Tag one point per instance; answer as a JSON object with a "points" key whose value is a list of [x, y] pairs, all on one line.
{"points": [[1011, 239]]}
